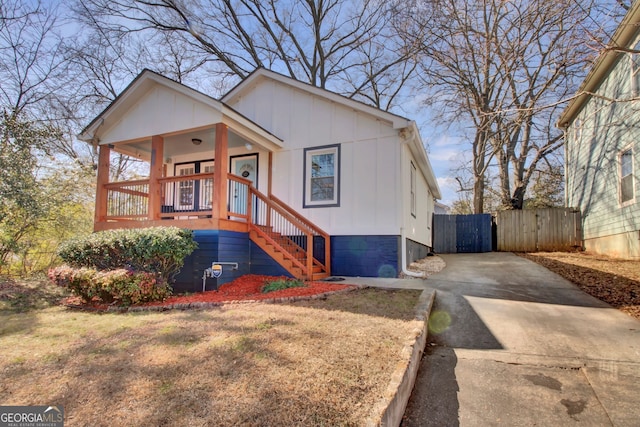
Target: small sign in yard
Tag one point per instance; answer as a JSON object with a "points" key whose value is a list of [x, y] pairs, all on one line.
{"points": [[216, 270]]}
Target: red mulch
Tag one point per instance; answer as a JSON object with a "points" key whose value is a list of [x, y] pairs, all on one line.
{"points": [[247, 287]]}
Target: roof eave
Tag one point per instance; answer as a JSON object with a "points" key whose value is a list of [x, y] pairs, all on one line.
{"points": [[397, 122], [622, 37]]}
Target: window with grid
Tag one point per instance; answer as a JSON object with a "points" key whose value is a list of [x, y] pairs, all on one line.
{"points": [[321, 176], [626, 176]]}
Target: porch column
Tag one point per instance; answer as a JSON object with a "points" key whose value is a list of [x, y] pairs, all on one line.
{"points": [[221, 158], [155, 173], [100, 214]]}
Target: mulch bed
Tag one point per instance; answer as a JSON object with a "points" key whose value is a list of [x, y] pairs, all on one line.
{"points": [[247, 288]]}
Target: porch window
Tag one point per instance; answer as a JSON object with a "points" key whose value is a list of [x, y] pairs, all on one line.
{"points": [[626, 176], [193, 194], [322, 176], [185, 190], [206, 187]]}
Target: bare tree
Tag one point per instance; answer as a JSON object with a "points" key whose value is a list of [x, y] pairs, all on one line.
{"points": [[506, 69], [31, 66], [338, 44]]}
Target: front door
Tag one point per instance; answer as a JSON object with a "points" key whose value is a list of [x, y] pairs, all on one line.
{"points": [[247, 168]]}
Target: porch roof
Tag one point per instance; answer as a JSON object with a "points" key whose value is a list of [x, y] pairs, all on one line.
{"points": [[115, 123]]}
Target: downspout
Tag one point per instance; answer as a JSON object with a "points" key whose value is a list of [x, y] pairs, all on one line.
{"points": [[406, 134], [403, 250]]}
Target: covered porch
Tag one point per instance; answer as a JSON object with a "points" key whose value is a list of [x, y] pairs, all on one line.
{"points": [[192, 194], [204, 193], [209, 171]]}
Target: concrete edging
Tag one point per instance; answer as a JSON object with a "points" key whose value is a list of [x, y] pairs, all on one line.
{"points": [[390, 410]]}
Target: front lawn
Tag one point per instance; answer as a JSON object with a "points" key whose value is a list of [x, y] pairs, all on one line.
{"points": [[322, 362]]}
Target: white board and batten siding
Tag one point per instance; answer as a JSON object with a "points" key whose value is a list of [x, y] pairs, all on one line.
{"points": [[160, 110], [372, 187]]}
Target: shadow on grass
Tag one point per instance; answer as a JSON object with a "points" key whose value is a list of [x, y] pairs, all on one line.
{"points": [[193, 368], [20, 300], [396, 304], [434, 400], [616, 290], [25, 295]]}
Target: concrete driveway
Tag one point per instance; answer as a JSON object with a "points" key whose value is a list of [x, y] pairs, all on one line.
{"points": [[512, 344]]}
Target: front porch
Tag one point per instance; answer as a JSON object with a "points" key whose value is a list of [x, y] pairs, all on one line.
{"points": [[209, 196]]}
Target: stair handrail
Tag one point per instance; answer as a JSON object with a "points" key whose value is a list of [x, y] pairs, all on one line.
{"points": [[299, 221], [304, 220], [312, 226]]}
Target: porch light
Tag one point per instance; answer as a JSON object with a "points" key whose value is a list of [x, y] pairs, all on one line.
{"points": [[248, 146], [196, 141]]}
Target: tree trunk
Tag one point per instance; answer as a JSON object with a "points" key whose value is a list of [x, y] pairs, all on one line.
{"points": [[517, 201], [478, 195]]}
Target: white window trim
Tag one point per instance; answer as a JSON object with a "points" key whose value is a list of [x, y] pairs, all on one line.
{"points": [[308, 153], [413, 190], [633, 174], [634, 60]]}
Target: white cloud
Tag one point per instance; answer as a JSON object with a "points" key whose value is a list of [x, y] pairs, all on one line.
{"points": [[448, 188]]}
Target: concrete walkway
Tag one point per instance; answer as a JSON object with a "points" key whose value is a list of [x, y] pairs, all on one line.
{"points": [[513, 344]]}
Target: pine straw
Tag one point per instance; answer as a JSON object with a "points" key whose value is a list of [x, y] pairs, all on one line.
{"points": [[304, 364], [614, 281]]}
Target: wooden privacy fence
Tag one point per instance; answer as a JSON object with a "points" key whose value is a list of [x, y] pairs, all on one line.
{"points": [[553, 229]]}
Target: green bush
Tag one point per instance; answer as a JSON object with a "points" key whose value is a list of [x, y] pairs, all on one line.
{"points": [[123, 286], [158, 250], [282, 283]]}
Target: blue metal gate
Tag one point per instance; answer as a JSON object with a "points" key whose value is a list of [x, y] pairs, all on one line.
{"points": [[462, 233]]}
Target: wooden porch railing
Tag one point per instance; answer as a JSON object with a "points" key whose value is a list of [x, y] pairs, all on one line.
{"points": [[127, 200], [281, 226], [187, 195], [191, 196], [182, 196]]}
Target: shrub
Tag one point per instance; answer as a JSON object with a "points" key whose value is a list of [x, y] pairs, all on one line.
{"points": [[123, 286], [282, 283], [159, 250]]}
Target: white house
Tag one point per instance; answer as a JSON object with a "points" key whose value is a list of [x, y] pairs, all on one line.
{"points": [[602, 148], [278, 176]]}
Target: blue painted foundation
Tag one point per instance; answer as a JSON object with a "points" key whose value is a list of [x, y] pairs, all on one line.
{"points": [[365, 256], [223, 246]]}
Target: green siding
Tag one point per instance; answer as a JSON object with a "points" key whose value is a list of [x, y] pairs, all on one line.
{"points": [[605, 128]]}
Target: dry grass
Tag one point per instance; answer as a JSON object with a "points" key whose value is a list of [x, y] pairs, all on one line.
{"points": [[323, 362], [614, 281]]}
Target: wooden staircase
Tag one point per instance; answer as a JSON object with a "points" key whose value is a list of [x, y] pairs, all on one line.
{"points": [[288, 238]]}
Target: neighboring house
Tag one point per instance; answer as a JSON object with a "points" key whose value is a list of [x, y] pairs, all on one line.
{"points": [[441, 208], [278, 176], [602, 150]]}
